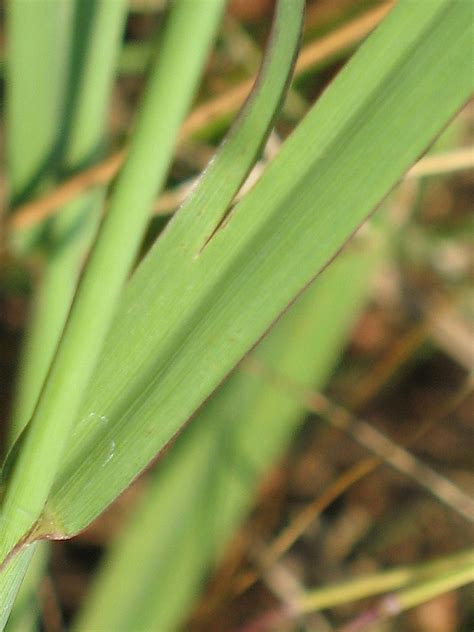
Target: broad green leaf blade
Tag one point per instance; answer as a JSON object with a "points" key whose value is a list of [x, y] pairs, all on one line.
{"points": [[32, 467], [189, 315], [204, 486]]}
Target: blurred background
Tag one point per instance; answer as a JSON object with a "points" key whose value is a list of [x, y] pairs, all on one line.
{"points": [[335, 503]]}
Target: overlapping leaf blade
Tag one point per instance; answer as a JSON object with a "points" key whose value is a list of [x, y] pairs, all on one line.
{"points": [[191, 312]]}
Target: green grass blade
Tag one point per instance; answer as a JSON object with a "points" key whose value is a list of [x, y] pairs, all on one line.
{"points": [[189, 315], [68, 240], [173, 538], [169, 94], [25, 613], [39, 34], [36, 93], [236, 156], [64, 241], [10, 582]]}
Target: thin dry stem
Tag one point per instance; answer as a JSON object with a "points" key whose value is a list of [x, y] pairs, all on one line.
{"points": [[446, 162], [285, 540], [374, 441]]}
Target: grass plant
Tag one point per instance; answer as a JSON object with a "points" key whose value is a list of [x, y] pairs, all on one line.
{"points": [[121, 355]]}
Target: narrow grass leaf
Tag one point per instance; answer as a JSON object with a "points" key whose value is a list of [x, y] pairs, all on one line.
{"points": [[83, 41], [26, 611], [10, 582], [39, 33], [227, 171], [92, 53]]}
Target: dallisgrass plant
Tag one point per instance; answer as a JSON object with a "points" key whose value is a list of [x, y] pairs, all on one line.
{"points": [[138, 357]]}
